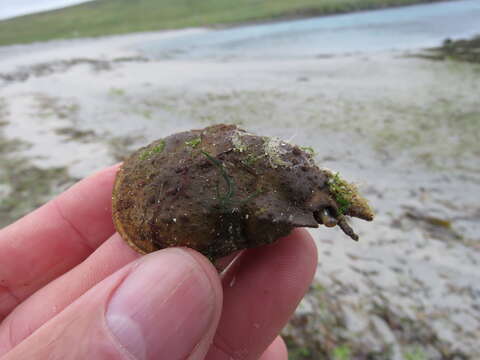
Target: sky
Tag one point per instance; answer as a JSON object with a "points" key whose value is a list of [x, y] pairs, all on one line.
{"points": [[12, 8]]}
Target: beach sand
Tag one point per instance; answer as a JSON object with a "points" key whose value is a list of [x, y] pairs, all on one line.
{"points": [[404, 128]]}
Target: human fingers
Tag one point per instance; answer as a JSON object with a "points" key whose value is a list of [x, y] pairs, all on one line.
{"points": [[276, 351], [50, 300], [260, 295], [54, 238], [164, 306]]}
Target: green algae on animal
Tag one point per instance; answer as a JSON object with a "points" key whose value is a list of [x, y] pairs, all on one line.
{"points": [[194, 142], [156, 149], [222, 189]]}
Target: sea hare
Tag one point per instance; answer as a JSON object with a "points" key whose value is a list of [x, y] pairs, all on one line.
{"points": [[222, 189]]}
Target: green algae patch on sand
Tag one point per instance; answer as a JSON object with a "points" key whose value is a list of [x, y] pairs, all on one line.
{"points": [[467, 50], [29, 186], [24, 186]]}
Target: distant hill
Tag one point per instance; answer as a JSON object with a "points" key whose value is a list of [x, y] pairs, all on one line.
{"points": [[106, 17]]}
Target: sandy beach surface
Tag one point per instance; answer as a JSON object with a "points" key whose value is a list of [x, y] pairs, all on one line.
{"points": [[405, 129]]}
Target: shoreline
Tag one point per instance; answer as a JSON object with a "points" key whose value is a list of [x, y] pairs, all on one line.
{"points": [[294, 17], [284, 15]]}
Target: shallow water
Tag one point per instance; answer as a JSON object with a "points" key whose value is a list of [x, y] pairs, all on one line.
{"points": [[401, 28]]}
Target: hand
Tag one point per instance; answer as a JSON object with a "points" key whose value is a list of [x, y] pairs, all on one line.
{"points": [[71, 288]]}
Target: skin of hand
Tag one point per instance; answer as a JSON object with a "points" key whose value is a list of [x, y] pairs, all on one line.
{"points": [[71, 288]]}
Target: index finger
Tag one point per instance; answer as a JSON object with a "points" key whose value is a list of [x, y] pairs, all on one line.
{"points": [[54, 238], [260, 293]]}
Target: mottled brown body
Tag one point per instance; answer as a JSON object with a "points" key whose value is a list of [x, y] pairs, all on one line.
{"points": [[221, 189]]}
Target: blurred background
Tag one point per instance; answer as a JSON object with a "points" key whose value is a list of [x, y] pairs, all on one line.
{"points": [[387, 92]]}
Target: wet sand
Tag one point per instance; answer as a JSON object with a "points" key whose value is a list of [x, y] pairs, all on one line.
{"points": [[406, 129]]}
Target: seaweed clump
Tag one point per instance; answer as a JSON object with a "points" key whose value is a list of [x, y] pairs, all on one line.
{"points": [[222, 189], [467, 50]]}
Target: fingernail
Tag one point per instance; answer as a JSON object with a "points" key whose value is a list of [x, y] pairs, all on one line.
{"points": [[163, 308]]}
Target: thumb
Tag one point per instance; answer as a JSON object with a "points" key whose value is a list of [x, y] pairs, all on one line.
{"points": [[164, 306]]}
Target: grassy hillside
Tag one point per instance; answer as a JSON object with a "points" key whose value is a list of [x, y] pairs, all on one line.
{"points": [[103, 17]]}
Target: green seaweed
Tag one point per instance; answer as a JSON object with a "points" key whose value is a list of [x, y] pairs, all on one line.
{"points": [[23, 185], [250, 197], [299, 353], [251, 159], [116, 92], [155, 150], [226, 200], [342, 352], [227, 197], [348, 200], [415, 354], [194, 142], [342, 191], [309, 150]]}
